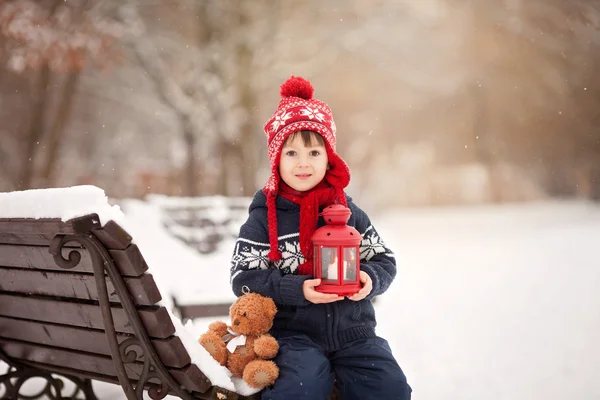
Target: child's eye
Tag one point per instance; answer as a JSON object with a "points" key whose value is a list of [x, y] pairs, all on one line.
{"points": [[315, 153], [290, 153]]}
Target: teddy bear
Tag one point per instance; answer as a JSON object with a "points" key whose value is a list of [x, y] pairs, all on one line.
{"points": [[245, 346]]}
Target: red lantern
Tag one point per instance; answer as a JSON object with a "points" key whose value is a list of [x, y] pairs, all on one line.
{"points": [[337, 253]]}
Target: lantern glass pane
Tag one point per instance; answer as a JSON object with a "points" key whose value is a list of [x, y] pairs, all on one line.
{"points": [[329, 263], [350, 264]]}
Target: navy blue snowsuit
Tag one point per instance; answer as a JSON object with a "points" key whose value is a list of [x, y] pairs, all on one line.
{"points": [[318, 341]]}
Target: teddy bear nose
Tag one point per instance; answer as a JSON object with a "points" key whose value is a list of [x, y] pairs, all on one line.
{"points": [[236, 322]]}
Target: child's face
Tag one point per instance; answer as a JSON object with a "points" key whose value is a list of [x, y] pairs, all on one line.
{"points": [[302, 167]]}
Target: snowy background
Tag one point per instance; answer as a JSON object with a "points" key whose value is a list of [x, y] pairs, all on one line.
{"points": [[490, 302]]}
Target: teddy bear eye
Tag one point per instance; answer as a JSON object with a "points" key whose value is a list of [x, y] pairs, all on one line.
{"points": [[244, 314]]}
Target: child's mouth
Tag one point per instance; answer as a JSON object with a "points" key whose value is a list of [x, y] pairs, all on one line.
{"points": [[303, 176]]}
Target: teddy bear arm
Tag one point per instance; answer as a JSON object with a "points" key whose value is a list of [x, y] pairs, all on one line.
{"points": [[265, 346], [215, 346], [218, 327]]}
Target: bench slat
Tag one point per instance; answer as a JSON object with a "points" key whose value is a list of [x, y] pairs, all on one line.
{"points": [[39, 232], [129, 261], [113, 236], [156, 320], [33, 239], [191, 311], [190, 377], [143, 290], [170, 350], [49, 226], [39, 257]]}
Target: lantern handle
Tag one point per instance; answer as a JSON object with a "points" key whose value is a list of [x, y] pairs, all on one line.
{"points": [[336, 201]]}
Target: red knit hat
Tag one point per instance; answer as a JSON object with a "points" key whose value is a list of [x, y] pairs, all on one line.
{"points": [[298, 111]]}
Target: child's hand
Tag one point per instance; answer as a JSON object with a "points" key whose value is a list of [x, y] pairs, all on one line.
{"points": [[308, 288], [367, 286]]}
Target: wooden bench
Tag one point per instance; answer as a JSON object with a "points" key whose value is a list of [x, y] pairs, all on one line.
{"points": [[77, 302]]}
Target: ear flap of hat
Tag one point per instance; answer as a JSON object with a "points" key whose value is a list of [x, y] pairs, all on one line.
{"points": [[338, 175]]}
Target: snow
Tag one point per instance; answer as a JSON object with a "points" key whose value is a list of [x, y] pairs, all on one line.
{"points": [[63, 203], [496, 302], [160, 249], [490, 302]]}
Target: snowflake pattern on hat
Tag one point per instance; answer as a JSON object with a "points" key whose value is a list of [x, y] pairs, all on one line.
{"points": [[313, 113], [280, 120]]}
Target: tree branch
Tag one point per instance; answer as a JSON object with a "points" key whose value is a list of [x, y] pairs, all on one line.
{"points": [[148, 57]]}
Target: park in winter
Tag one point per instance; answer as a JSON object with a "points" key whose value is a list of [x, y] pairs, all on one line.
{"points": [[163, 163]]}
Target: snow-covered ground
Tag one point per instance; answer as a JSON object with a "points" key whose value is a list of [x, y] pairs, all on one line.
{"points": [[490, 302], [495, 302]]}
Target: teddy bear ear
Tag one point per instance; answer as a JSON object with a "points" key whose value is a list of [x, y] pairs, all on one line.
{"points": [[270, 306]]}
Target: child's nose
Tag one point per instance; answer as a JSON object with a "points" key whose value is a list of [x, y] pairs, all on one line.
{"points": [[303, 161]]}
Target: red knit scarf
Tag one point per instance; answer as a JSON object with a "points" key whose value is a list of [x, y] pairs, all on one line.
{"points": [[323, 194]]}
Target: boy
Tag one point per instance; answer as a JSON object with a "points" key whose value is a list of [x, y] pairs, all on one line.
{"points": [[321, 336]]}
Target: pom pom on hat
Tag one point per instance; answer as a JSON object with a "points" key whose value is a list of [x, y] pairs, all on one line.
{"points": [[297, 86]]}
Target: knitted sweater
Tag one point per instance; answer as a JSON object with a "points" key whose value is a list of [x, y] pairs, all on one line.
{"points": [[330, 325]]}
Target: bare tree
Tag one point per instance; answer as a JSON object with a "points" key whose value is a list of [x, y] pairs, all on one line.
{"points": [[43, 41]]}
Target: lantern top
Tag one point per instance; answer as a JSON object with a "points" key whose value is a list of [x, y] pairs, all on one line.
{"points": [[336, 214]]}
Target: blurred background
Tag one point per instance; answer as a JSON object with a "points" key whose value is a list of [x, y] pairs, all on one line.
{"points": [[466, 104], [437, 102]]}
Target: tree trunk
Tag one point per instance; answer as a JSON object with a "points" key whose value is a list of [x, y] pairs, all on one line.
{"points": [[36, 128], [37, 124], [191, 169], [246, 143], [225, 161], [57, 130]]}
